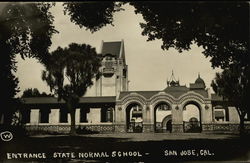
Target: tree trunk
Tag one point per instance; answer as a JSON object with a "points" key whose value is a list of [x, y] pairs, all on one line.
{"points": [[72, 119]]}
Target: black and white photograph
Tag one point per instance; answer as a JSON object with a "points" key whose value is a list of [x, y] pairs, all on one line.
{"points": [[134, 81]]}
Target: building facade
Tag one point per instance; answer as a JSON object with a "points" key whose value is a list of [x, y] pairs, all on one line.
{"points": [[113, 108]]}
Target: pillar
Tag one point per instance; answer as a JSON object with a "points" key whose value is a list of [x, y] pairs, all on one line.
{"points": [[54, 116], [94, 115], [148, 122], [77, 117], [206, 113], [34, 116], [120, 122], [177, 118], [207, 117]]}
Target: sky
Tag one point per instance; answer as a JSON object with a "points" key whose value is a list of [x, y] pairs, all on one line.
{"points": [[149, 66]]}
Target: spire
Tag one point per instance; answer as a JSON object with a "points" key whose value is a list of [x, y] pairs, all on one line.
{"points": [[172, 81]]}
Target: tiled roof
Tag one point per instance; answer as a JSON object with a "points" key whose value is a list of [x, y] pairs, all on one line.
{"points": [[202, 92], [146, 94], [197, 86], [176, 91], [111, 48], [53, 100]]}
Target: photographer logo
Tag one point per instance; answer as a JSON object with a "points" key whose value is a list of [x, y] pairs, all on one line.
{"points": [[6, 136]]}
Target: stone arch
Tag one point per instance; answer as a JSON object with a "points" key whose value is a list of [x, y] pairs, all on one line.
{"points": [[191, 100], [161, 100], [133, 97], [165, 122], [154, 100], [161, 108], [191, 96], [134, 116]]}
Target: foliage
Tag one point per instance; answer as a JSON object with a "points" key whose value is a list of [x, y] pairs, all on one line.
{"points": [[34, 93], [26, 29], [233, 86], [92, 15], [222, 29], [79, 64]]}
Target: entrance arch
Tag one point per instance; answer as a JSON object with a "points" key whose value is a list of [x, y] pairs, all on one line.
{"points": [[134, 118], [167, 124], [161, 111], [192, 117]]}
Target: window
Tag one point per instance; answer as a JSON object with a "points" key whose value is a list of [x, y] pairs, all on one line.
{"points": [[109, 115], [83, 115], [44, 115], [63, 115], [124, 73], [219, 115]]}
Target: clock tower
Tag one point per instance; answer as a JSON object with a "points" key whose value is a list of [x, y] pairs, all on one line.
{"points": [[114, 70]]}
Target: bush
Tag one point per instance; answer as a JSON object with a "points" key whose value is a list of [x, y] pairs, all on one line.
{"points": [[83, 130]]}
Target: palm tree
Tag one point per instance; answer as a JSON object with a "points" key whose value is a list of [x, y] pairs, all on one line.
{"points": [[78, 64]]}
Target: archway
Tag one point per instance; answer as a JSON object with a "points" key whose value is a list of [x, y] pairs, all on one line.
{"points": [[134, 119], [167, 124], [192, 117], [161, 111]]}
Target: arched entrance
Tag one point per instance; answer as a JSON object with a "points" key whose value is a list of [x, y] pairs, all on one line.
{"points": [[134, 119], [161, 111], [167, 124], [192, 117]]}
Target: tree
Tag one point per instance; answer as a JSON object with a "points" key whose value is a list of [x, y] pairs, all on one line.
{"points": [[26, 30], [34, 93], [222, 29], [79, 64], [92, 15], [233, 87]]}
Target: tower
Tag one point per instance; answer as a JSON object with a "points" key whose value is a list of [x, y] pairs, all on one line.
{"points": [[114, 77]]}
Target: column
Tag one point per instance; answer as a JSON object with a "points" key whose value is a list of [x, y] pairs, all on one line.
{"points": [[206, 113], [120, 122], [206, 117], [148, 123], [77, 116], [94, 115], [54, 116], [34, 116], [69, 118], [177, 118]]}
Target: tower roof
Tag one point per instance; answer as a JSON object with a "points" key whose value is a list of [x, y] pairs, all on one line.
{"points": [[115, 48], [199, 80], [198, 84], [172, 81]]}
